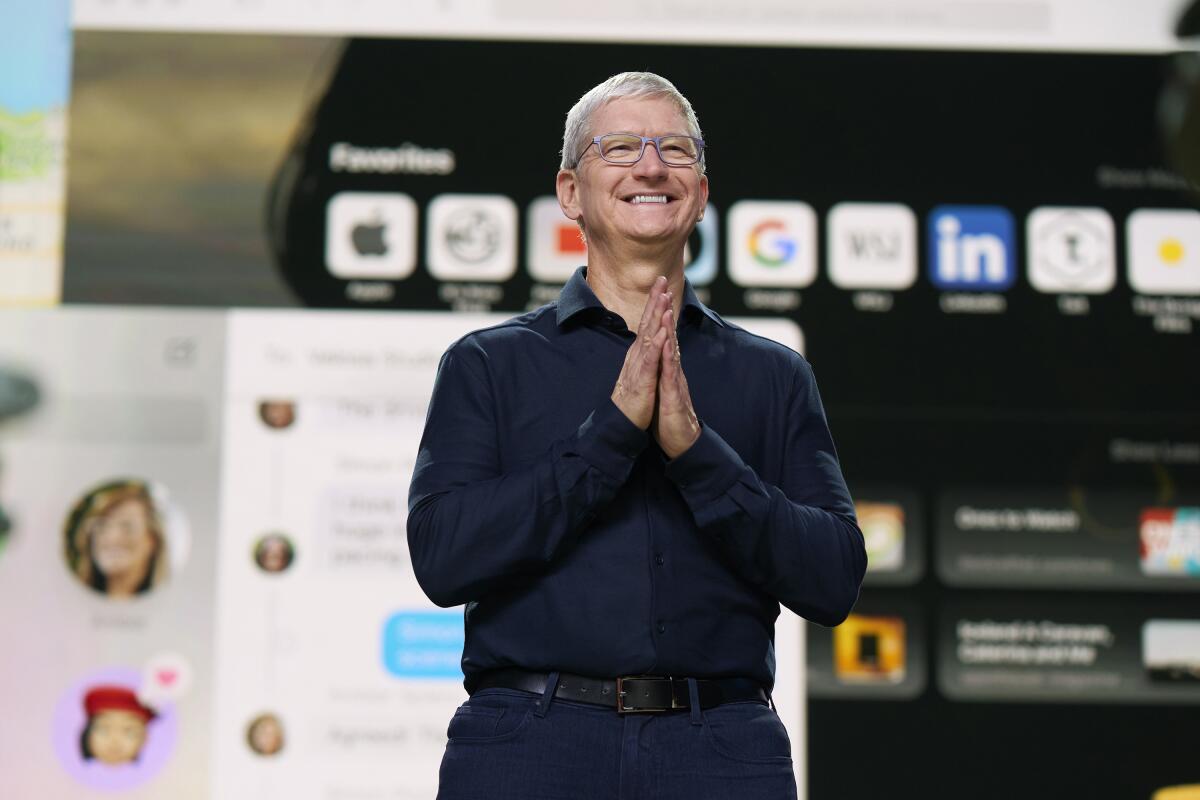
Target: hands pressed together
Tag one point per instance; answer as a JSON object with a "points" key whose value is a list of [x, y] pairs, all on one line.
{"points": [[652, 390]]}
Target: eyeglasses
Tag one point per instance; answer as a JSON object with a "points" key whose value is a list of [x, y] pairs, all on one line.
{"points": [[674, 149]]}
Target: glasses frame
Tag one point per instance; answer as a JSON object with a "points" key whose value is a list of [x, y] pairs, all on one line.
{"points": [[657, 148]]}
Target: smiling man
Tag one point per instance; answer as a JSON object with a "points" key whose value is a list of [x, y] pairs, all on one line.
{"points": [[623, 487]]}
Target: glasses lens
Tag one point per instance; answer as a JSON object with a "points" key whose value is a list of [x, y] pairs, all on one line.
{"points": [[620, 147], [679, 150]]}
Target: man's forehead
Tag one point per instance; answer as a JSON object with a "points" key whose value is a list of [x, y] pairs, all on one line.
{"points": [[636, 114]]}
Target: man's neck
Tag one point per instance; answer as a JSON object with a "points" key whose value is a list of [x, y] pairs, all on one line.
{"points": [[622, 287]]}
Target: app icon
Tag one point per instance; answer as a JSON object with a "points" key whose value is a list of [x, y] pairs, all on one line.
{"points": [[1169, 540], [772, 243], [371, 235], [869, 650], [882, 525], [1071, 250], [971, 248], [701, 269], [1164, 251], [472, 237], [554, 245], [1171, 650], [872, 246]]}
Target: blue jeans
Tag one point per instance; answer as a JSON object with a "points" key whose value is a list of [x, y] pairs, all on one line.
{"points": [[505, 744]]}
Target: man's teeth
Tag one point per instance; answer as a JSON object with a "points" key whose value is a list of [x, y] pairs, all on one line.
{"points": [[649, 198]]}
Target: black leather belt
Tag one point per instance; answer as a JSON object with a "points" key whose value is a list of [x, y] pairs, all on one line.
{"points": [[633, 694]]}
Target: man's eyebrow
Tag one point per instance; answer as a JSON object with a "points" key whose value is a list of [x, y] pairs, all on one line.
{"points": [[631, 133]]}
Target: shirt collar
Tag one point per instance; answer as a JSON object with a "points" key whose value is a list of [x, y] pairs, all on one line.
{"points": [[577, 296]]}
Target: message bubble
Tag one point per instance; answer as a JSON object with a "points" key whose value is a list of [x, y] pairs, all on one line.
{"points": [[365, 414], [362, 528], [423, 644], [392, 738]]}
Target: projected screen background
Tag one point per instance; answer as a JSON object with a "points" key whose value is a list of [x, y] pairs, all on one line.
{"points": [[983, 254]]}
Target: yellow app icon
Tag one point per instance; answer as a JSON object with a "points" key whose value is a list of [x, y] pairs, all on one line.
{"points": [[882, 525], [1164, 251], [869, 650]]}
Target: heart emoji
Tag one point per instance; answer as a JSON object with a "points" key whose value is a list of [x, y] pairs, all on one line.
{"points": [[166, 677]]}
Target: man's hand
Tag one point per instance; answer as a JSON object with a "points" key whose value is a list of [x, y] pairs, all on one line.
{"points": [[675, 424], [637, 384]]}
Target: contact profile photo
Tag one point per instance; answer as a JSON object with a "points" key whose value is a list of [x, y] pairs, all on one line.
{"points": [[277, 414], [111, 732], [264, 734], [274, 553], [124, 538]]}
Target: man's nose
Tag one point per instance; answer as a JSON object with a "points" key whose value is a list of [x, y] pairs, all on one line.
{"points": [[651, 164]]}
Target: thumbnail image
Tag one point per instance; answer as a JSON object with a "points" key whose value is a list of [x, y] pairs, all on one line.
{"points": [[1171, 650], [869, 650], [882, 525], [1169, 540]]}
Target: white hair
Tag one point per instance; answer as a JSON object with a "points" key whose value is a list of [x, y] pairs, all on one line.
{"points": [[578, 135]]}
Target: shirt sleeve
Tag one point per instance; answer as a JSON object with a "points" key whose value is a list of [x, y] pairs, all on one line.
{"points": [[799, 541], [472, 528]]}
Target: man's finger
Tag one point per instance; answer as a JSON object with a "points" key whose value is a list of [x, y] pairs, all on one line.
{"points": [[648, 312], [654, 324], [667, 355]]}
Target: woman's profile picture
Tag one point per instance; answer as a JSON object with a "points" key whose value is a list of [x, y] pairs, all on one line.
{"points": [[277, 414], [265, 734], [274, 552], [117, 538], [116, 728]]}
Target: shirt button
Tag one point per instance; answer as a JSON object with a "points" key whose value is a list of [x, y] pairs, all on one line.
{"points": [[658, 559], [662, 628]]}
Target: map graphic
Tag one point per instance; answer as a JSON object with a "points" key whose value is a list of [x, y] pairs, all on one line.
{"points": [[35, 68]]}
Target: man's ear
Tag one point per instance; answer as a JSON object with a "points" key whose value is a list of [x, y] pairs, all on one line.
{"points": [[703, 193], [566, 186]]}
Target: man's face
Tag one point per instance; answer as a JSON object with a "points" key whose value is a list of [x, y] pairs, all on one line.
{"points": [[611, 198]]}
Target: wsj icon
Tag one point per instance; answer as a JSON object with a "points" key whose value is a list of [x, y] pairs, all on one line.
{"points": [[971, 248]]}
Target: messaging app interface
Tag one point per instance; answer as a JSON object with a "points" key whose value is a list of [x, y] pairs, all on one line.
{"points": [[335, 673], [109, 451]]}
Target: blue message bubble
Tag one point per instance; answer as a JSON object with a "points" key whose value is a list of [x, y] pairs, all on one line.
{"points": [[423, 644]]}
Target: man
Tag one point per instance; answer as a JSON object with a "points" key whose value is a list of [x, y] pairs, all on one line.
{"points": [[624, 484]]}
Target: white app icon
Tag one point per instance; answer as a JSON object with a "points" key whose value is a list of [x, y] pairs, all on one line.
{"points": [[1164, 251], [872, 246], [471, 237], [772, 243], [1071, 250], [554, 248], [371, 236]]}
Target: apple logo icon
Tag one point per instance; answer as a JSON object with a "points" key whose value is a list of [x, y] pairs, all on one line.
{"points": [[368, 237]]}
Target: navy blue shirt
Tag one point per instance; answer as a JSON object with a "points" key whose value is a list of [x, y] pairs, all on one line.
{"points": [[575, 543]]}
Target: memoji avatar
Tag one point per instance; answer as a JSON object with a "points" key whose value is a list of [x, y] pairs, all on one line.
{"points": [[1170, 541], [971, 248]]}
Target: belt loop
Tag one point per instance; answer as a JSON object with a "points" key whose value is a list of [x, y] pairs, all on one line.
{"points": [[694, 701], [543, 704]]}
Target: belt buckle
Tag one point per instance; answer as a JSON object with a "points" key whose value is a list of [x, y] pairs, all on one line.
{"points": [[622, 708]]}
